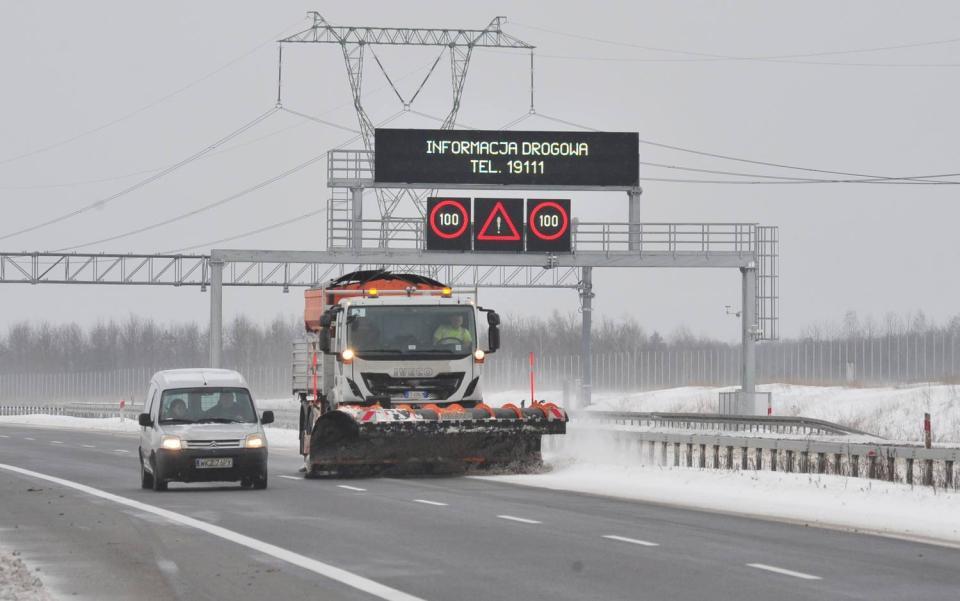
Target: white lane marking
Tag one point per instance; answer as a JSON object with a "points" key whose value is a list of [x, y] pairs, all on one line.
{"points": [[56, 442], [120, 451], [353, 488], [4, 436], [633, 541], [784, 571], [289, 477], [516, 519], [28, 438], [426, 502], [88, 446], [318, 567]]}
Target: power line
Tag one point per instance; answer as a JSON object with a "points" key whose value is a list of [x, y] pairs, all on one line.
{"points": [[215, 204], [712, 57], [319, 120], [104, 201], [787, 180], [618, 59], [202, 209], [145, 171], [791, 181], [228, 149], [147, 106], [245, 234], [866, 176]]}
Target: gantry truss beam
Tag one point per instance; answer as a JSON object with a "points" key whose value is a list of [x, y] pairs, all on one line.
{"points": [[254, 268], [490, 37], [194, 270]]}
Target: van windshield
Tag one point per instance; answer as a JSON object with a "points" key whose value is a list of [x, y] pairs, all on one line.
{"points": [[206, 405]]}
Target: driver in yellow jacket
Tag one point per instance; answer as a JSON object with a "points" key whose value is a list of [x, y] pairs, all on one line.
{"points": [[453, 329]]}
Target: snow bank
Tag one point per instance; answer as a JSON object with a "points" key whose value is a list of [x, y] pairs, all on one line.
{"points": [[106, 424], [895, 413], [587, 460], [17, 582], [276, 437]]}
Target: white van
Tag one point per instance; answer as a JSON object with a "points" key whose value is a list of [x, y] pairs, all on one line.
{"points": [[200, 425]]}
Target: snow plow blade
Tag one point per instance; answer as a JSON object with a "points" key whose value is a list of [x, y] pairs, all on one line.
{"points": [[355, 440]]}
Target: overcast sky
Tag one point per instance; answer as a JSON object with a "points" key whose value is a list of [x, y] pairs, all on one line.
{"points": [[70, 67]]}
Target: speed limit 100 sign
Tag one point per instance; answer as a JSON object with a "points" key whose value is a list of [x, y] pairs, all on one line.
{"points": [[548, 225], [448, 223]]}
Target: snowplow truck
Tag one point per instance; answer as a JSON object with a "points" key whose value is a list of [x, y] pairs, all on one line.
{"points": [[389, 378]]}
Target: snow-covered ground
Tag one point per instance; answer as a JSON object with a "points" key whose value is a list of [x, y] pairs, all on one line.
{"points": [[895, 413], [17, 582], [586, 460]]}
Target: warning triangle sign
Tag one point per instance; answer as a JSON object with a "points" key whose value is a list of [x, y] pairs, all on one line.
{"points": [[498, 226]]}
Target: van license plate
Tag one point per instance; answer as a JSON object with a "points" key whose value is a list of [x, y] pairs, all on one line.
{"points": [[214, 462]]}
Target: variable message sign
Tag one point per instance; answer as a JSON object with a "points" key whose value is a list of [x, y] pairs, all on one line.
{"points": [[493, 157], [448, 223], [498, 224], [548, 225]]}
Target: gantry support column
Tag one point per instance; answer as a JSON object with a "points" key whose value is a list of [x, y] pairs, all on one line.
{"points": [[586, 340], [356, 204], [216, 312], [748, 327], [633, 218]]}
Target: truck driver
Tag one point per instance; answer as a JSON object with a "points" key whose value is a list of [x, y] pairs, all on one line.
{"points": [[452, 330]]}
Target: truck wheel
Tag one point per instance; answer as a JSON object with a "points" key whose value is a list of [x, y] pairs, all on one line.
{"points": [[260, 482], [146, 478]]}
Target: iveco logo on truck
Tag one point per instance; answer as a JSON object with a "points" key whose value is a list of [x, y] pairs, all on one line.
{"points": [[412, 372]]}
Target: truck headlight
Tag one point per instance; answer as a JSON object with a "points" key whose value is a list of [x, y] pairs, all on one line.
{"points": [[171, 443], [478, 356], [254, 441]]}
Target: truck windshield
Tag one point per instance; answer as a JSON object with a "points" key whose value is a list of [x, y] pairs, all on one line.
{"points": [[411, 330], [206, 405]]}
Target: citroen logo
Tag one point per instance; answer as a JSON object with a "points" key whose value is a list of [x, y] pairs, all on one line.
{"points": [[213, 444]]}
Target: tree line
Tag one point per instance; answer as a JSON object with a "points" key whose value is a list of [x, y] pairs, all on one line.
{"points": [[42, 347]]}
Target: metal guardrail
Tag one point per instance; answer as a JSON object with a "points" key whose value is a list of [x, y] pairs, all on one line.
{"points": [[734, 423], [87, 410], [881, 460], [350, 168]]}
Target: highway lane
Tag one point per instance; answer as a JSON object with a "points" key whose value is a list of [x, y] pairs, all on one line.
{"points": [[465, 538]]}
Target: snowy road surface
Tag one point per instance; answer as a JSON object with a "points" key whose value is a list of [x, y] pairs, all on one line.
{"points": [[437, 538]]}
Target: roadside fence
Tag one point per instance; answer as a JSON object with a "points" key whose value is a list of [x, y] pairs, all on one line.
{"points": [[929, 357]]}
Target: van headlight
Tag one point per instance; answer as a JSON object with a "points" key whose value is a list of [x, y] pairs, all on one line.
{"points": [[254, 441], [171, 443]]}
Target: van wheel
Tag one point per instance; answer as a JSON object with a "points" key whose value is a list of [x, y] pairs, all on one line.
{"points": [[260, 483], [159, 484], [146, 478]]}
